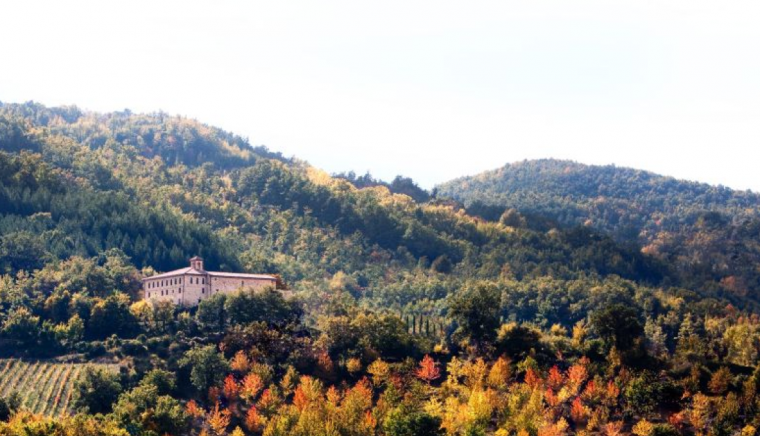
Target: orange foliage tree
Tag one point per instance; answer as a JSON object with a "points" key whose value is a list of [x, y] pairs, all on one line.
{"points": [[428, 369]]}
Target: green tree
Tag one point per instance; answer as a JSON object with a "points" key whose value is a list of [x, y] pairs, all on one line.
{"points": [[21, 327], [96, 390], [476, 312], [69, 334], [211, 313], [144, 408], [165, 382], [22, 251], [442, 264], [517, 341], [112, 316], [249, 305], [207, 366], [618, 326], [9, 405], [403, 422]]}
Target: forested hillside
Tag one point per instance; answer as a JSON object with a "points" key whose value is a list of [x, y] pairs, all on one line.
{"points": [[412, 315], [710, 234]]}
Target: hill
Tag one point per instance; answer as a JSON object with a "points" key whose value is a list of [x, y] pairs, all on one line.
{"points": [[708, 233], [160, 189], [412, 314]]}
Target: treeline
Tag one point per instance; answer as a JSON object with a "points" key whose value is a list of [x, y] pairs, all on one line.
{"points": [[707, 233], [399, 185]]}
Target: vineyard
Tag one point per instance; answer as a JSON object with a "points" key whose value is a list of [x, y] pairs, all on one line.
{"points": [[45, 387]]}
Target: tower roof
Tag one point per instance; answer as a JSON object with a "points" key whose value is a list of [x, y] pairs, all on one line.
{"points": [[196, 258]]}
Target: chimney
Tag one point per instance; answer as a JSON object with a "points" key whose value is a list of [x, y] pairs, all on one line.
{"points": [[197, 263]]}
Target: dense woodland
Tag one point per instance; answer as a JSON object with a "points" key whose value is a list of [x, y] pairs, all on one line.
{"points": [[710, 235], [545, 299]]}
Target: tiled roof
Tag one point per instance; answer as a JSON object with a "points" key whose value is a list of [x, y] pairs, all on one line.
{"points": [[176, 272], [241, 275], [191, 270]]}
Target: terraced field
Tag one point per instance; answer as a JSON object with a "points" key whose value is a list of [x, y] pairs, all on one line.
{"points": [[46, 387]]}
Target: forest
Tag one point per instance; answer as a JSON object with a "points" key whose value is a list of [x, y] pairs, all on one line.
{"points": [[545, 298], [709, 234]]}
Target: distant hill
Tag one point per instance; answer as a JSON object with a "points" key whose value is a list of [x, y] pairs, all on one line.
{"points": [[162, 188], [708, 232]]}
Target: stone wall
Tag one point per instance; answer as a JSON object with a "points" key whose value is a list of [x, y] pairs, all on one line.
{"points": [[231, 284], [190, 289], [165, 289]]}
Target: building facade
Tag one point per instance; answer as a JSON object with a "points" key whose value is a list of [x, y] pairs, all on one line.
{"points": [[188, 286]]}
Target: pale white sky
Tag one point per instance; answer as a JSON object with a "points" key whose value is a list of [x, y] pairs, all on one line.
{"points": [[431, 90]]}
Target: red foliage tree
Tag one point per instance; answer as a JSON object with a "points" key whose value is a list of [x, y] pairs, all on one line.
{"points": [[428, 369]]}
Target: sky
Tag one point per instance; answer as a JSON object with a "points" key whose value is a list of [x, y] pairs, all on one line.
{"points": [[432, 90]]}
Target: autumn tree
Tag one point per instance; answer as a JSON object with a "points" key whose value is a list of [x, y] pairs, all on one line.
{"points": [[428, 369], [218, 420]]}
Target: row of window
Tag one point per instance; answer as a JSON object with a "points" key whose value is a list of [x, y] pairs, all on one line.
{"points": [[179, 291], [166, 292], [176, 281]]}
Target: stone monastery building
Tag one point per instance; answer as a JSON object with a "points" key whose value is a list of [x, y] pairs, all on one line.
{"points": [[188, 286]]}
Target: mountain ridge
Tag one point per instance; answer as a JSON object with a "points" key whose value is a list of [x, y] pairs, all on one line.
{"points": [[708, 229]]}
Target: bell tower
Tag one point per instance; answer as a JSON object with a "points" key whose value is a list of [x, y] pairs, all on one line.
{"points": [[196, 263]]}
